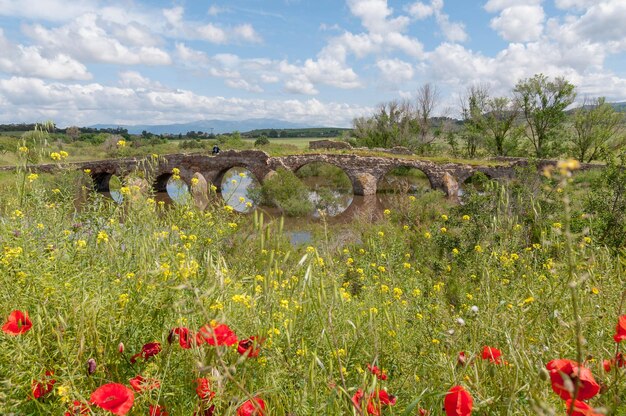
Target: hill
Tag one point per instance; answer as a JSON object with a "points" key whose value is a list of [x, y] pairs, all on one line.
{"points": [[208, 126]]}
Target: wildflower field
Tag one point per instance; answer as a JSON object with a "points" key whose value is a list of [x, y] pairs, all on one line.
{"points": [[507, 305]]}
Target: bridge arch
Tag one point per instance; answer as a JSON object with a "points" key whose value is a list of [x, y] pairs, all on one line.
{"points": [[400, 168], [101, 180]]}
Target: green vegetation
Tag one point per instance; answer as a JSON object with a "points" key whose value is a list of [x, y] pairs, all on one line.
{"points": [[212, 308], [285, 191]]}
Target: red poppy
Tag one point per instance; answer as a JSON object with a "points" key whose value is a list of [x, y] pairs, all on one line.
{"points": [[566, 373], [203, 390], [250, 408], [158, 411], [377, 372], [42, 387], [423, 412], [377, 400], [17, 323], [618, 361], [114, 397], [458, 402], [77, 408], [580, 409], [140, 384], [148, 350], [251, 346], [356, 399], [492, 354], [185, 337], [219, 335], [620, 329]]}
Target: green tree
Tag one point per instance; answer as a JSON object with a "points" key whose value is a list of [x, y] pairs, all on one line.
{"points": [[543, 103], [393, 124], [596, 125]]}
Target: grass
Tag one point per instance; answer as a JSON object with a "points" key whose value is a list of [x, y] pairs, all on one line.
{"points": [[407, 294]]}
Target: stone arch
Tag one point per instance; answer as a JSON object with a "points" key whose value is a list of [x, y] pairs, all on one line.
{"points": [[160, 182], [101, 180], [217, 178], [420, 168], [354, 179]]}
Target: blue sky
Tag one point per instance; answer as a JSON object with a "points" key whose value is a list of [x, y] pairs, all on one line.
{"points": [[319, 62]]}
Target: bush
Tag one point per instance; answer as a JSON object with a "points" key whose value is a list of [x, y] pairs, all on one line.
{"points": [[261, 141], [285, 191]]}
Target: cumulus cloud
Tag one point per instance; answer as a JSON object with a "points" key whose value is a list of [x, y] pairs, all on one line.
{"points": [[520, 23], [395, 70], [452, 31], [32, 61], [87, 39], [176, 26], [85, 104]]}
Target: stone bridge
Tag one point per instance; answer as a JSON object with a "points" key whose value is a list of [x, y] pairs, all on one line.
{"points": [[364, 171]]}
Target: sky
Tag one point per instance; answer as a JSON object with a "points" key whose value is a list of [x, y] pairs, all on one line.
{"points": [[315, 62]]}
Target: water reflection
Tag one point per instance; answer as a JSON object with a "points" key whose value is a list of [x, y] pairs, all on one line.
{"points": [[330, 189], [235, 188]]}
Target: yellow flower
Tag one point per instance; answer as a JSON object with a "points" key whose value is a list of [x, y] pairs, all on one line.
{"points": [[55, 156], [63, 154], [228, 208], [455, 251], [32, 177], [381, 234], [466, 217], [23, 149], [242, 174], [427, 235], [87, 171], [103, 237], [387, 212], [444, 217], [443, 229], [556, 225], [478, 249], [121, 143], [595, 290], [194, 181]]}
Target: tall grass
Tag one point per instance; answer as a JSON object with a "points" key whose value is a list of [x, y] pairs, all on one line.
{"points": [[408, 295]]}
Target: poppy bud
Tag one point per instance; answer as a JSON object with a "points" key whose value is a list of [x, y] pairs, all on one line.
{"points": [[544, 374], [91, 366], [120, 348]]}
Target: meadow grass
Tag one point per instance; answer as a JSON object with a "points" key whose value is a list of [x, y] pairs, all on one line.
{"points": [[407, 294]]}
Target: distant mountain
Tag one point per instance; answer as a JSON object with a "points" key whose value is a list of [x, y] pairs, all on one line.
{"points": [[621, 106], [208, 126]]}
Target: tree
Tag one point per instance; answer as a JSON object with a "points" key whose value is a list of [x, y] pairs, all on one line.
{"points": [[73, 133], [543, 103], [473, 108], [393, 124], [425, 103], [596, 124]]}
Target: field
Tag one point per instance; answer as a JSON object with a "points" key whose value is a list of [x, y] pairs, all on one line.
{"points": [[144, 308]]}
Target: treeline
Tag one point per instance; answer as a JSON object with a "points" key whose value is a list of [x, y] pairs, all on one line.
{"points": [[534, 119], [295, 133]]}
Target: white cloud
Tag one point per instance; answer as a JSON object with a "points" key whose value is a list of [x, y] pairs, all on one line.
{"points": [[70, 104], [176, 26], [87, 39], [452, 31], [51, 10], [242, 84], [395, 70], [374, 15], [215, 10], [32, 61], [420, 10], [604, 22], [574, 4], [521, 23], [493, 6]]}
